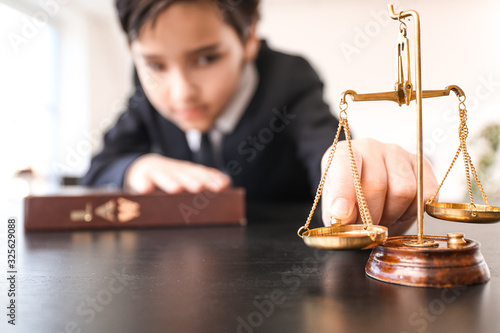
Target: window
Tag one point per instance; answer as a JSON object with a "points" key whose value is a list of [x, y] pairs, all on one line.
{"points": [[29, 89]]}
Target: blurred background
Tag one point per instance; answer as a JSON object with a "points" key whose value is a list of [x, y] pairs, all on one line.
{"points": [[65, 75]]}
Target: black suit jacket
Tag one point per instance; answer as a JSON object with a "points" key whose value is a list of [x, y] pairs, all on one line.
{"points": [[274, 152]]}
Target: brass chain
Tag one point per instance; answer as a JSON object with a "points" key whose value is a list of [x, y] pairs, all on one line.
{"points": [[319, 191], [364, 212], [479, 185], [463, 133], [434, 196], [360, 195]]}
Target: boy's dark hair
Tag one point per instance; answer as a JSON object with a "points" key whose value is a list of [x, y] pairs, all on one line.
{"points": [[133, 14]]}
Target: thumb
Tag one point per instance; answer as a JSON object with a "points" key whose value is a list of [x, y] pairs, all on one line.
{"points": [[340, 198], [341, 211]]}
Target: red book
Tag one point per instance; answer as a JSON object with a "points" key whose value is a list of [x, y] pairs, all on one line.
{"points": [[97, 209]]}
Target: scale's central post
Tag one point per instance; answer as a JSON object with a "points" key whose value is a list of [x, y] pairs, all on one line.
{"points": [[420, 153]]}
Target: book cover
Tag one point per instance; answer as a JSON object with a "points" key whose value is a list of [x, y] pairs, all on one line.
{"points": [[84, 208]]}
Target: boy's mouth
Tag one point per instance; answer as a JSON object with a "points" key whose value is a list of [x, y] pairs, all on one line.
{"points": [[191, 113]]}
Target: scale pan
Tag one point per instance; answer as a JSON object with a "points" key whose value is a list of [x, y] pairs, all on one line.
{"points": [[461, 212], [345, 237]]}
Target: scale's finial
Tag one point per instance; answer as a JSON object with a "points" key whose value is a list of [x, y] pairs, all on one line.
{"points": [[410, 260]]}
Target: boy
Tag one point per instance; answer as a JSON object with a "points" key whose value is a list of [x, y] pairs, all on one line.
{"points": [[214, 106]]}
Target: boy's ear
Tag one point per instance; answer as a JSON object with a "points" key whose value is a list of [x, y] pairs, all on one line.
{"points": [[252, 44]]}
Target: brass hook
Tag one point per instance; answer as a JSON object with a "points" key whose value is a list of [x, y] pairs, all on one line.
{"points": [[400, 19], [404, 86]]}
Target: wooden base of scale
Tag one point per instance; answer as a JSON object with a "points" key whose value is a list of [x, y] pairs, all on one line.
{"points": [[448, 264]]}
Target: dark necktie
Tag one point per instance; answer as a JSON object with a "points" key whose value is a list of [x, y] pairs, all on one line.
{"points": [[205, 155]]}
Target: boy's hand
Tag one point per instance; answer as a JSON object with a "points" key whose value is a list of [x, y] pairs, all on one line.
{"points": [[389, 179], [170, 175]]}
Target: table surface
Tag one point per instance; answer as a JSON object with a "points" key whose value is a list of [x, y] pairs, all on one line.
{"points": [[259, 278]]}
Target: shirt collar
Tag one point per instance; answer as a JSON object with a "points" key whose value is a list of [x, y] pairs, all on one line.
{"points": [[228, 119], [231, 115]]}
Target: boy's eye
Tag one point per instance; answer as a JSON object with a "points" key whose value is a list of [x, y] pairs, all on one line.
{"points": [[156, 67], [207, 59]]}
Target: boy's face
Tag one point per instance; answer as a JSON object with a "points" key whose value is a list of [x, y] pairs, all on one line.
{"points": [[190, 63]]}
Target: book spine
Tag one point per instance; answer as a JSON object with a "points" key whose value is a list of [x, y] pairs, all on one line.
{"points": [[134, 211]]}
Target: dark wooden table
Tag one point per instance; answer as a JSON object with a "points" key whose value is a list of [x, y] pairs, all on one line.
{"points": [[259, 278]]}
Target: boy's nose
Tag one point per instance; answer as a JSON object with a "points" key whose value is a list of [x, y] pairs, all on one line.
{"points": [[182, 89]]}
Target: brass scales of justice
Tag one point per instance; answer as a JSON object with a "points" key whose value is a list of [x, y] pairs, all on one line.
{"points": [[416, 260]]}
